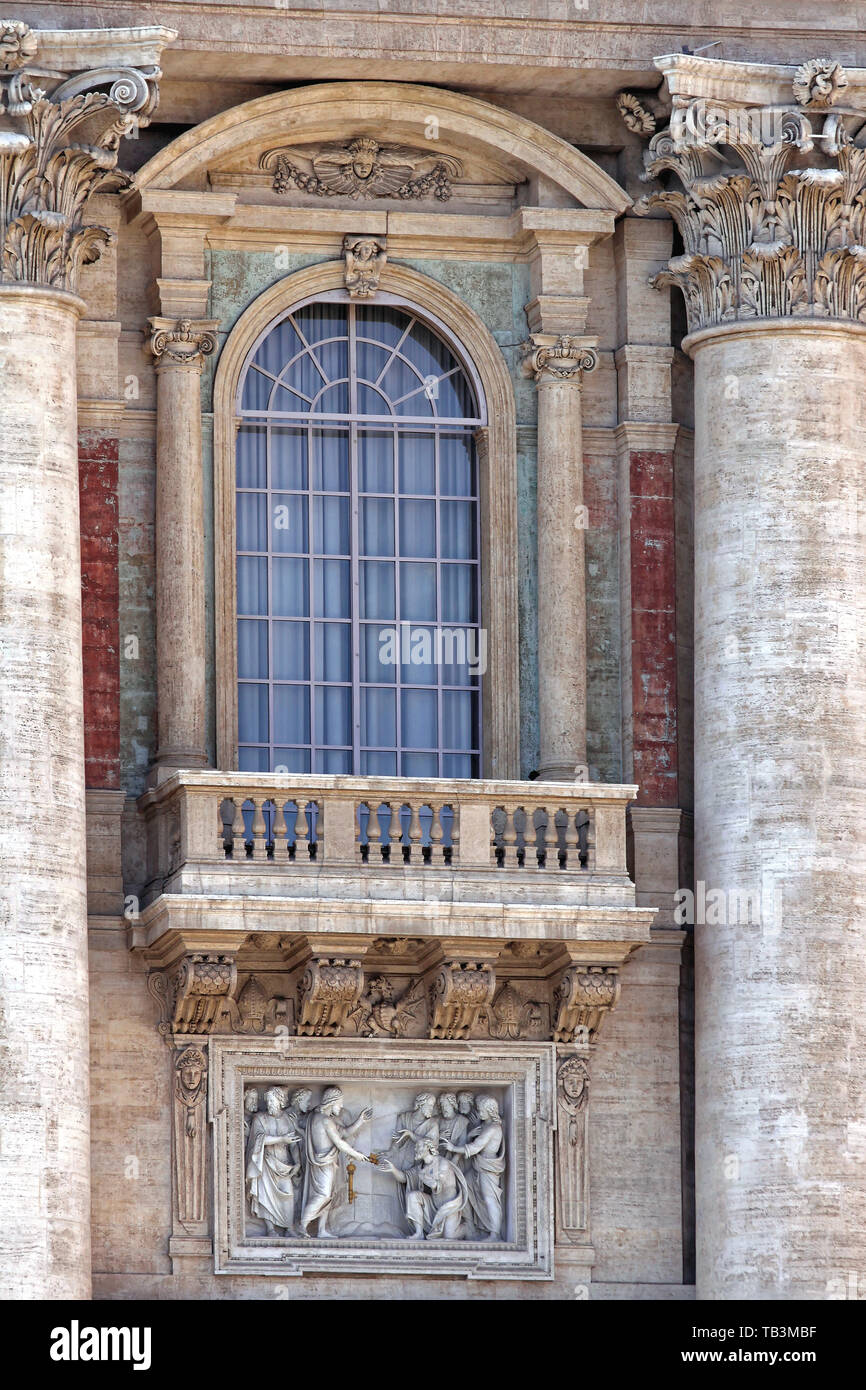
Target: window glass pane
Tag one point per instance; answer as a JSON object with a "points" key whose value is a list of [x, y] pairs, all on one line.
{"points": [[330, 461], [419, 725], [252, 521], [333, 358], [459, 593], [419, 765], [334, 760], [417, 656], [291, 651], [427, 352], [376, 581], [291, 760], [418, 591], [257, 391], [376, 526], [253, 760], [305, 377], [291, 714], [378, 765], [333, 654], [459, 710], [417, 463], [252, 585], [382, 322], [291, 597], [289, 402], [457, 465], [379, 652], [331, 525], [317, 321], [252, 713], [379, 718], [417, 528], [372, 401], [375, 461], [252, 457], [252, 650], [331, 580], [457, 533], [333, 714], [288, 458], [455, 399], [464, 655], [289, 523], [278, 347], [399, 380], [372, 360], [419, 404], [460, 765], [333, 400]]}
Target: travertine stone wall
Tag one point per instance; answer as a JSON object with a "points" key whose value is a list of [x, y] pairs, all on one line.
{"points": [[780, 766], [44, 1082]]}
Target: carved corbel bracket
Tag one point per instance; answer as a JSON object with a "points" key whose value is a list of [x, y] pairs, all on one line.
{"points": [[329, 989], [364, 258], [194, 992], [581, 1001], [458, 994]]}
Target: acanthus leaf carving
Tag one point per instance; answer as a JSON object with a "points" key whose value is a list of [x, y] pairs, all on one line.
{"points": [[58, 145], [329, 990], [582, 1000], [195, 992]]}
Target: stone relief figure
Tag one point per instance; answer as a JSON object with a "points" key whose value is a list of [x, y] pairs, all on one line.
{"points": [[365, 258], [326, 1139], [251, 1105], [273, 1164], [420, 1123], [437, 1213], [485, 1148]]}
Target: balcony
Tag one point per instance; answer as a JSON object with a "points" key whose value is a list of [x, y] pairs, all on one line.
{"points": [[393, 854]]}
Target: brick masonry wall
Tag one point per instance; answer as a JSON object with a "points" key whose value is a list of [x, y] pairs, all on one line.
{"points": [[97, 475]]}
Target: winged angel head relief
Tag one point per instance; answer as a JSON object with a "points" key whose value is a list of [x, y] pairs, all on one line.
{"points": [[363, 169]]}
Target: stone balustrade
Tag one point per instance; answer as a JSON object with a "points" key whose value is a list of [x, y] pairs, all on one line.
{"points": [[241, 833]]}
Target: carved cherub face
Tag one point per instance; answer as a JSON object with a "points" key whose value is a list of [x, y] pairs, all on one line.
{"points": [[190, 1077], [363, 158]]}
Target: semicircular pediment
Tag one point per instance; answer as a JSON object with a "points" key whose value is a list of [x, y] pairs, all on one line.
{"points": [[369, 140]]}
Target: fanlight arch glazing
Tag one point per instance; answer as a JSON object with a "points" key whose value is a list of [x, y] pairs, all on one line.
{"points": [[358, 545]]}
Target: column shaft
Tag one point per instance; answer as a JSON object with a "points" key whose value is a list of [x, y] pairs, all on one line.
{"points": [[44, 1081], [780, 778]]}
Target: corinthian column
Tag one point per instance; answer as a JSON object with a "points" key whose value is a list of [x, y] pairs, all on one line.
{"points": [[179, 349], [557, 365], [57, 146], [771, 205]]}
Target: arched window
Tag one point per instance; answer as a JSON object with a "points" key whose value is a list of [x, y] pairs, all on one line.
{"points": [[358, 585]]}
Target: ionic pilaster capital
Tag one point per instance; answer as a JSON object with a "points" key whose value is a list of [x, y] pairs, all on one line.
{"points": [[771, 203], [565, 358], [61, 123], [182, 343]]}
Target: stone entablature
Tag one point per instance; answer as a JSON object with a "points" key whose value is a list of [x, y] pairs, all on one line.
{"points": [[771, 208], [66, 102]]}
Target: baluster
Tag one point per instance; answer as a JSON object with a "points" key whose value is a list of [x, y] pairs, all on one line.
{"points": [[447, 823], [581, 822], [268, 811], [425, 829], [228, 811], [259, 828], [383, 816], [499, 822], [560, 822], [519, 820], [405, 820], [312, 811], [278, 826], [539, 820], [290, 811], [363, 837], [248, 811]]}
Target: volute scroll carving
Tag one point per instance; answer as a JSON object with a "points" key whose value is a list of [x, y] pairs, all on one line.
{"points": [[565, 358], [458, 994], [582, 1000]]}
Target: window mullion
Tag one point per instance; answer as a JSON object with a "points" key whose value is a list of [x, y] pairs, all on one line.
{"points": [[354, 548]]}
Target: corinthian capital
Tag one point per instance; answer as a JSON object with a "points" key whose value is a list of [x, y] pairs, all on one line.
{"points": [[767, 191], [546, 358], [61, 122], [182, 343]]}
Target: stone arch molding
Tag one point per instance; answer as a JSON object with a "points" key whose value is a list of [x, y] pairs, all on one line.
{"points": [[497, 455], [398, 111]]}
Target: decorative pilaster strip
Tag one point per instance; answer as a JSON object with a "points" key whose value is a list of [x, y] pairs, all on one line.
{"points": [[59, 138], [572, 1185], [771, 205], [182, 343], [190, 1135]]}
